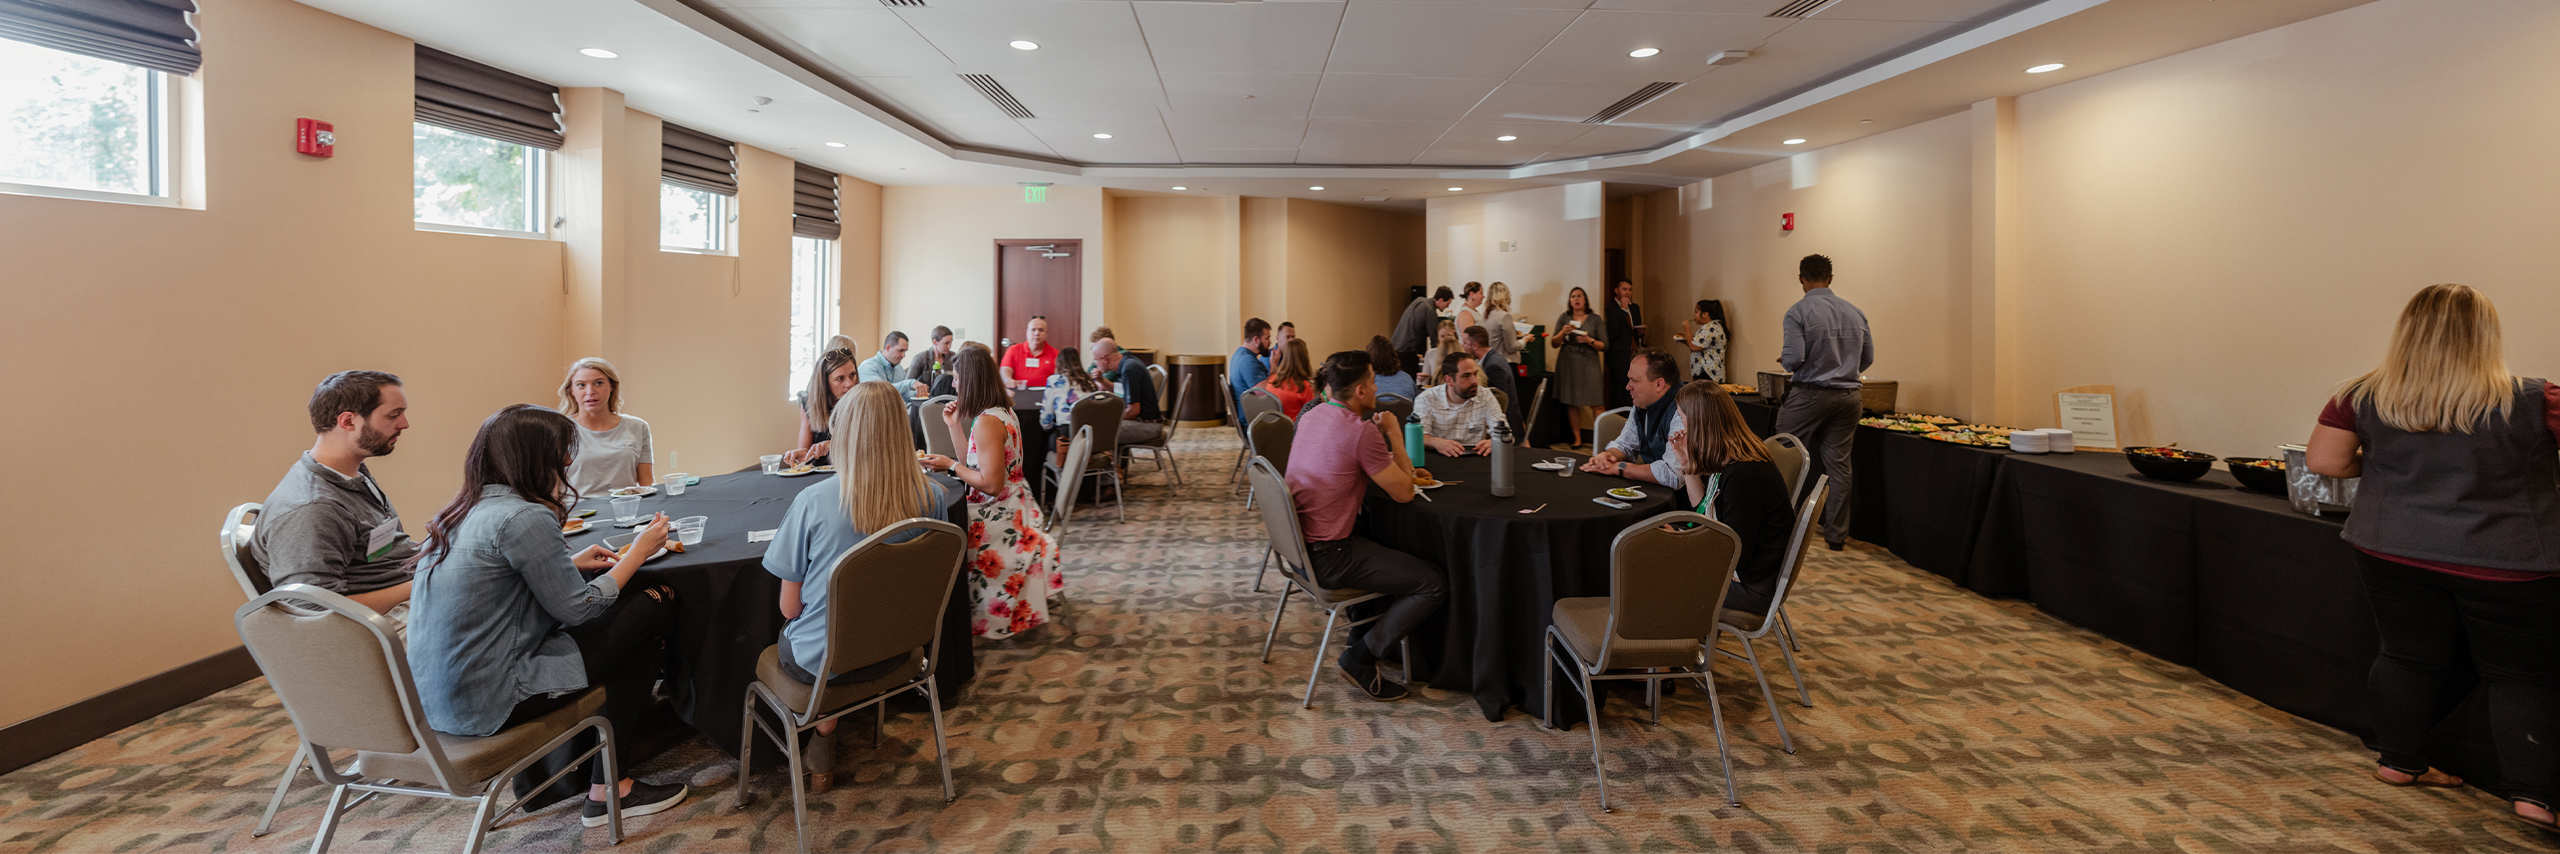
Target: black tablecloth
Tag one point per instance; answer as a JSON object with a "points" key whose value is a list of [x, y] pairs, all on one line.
{"points": [[1506, 570]]}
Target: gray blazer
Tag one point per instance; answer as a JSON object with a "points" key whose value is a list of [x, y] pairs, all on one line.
{"points": [[485, 620]]}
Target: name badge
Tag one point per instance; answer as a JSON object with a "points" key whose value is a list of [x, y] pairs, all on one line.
{"points": [[383, 537], [1030, 363]]}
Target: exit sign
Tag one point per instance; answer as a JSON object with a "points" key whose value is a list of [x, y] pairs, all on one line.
{"points": [[1035, 194]]}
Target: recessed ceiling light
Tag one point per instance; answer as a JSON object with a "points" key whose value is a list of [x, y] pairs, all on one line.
{"points": [[1866, 121], [1022, 44], [1457, 189], [1182, 188], [1643, 52], [835, 145], [1315, 188], [1505, 138], [599, 53], [1101, 136], [1795, 142], [2050, 66]]}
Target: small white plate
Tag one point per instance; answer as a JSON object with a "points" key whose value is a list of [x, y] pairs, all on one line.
{"points": [[1627, 493], [583, 527], [1434, 485], [799, 472], [1546, 467], [633, 492]]}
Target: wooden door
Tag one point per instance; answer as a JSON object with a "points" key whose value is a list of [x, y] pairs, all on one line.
{"points": [[1043, 278]]}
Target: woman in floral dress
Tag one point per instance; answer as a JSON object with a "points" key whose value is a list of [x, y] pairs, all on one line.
{"points": [[1013, 565]]}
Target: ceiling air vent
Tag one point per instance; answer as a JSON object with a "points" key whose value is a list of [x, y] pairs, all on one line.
{"points": [[903, 3], [1630, 102], [1796, 9], [995, 92]]}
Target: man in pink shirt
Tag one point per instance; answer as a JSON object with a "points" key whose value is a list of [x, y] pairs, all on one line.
{"points": [[1342, 447], [1029, 362]]}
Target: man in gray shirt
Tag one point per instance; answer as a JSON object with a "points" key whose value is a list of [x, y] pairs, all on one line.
{"points": [[1413, 330], [1827, 347], [327, 524]]}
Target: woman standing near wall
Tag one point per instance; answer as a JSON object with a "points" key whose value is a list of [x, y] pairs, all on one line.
{"points": [[1497, 320], [1579, 384], [2457, 531]]}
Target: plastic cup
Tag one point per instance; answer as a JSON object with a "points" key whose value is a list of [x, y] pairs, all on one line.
{"points": [[675, 483], [1568, 464], [689, 529], [772, 462], [626, 510]]}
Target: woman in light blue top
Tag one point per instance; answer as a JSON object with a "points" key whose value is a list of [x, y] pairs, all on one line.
{"points": [[505, 624], [878, 484], [1400, 383]]}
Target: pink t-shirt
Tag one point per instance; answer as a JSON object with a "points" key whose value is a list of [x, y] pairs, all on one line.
{"points": [[1032, 369], [1330, 463]]}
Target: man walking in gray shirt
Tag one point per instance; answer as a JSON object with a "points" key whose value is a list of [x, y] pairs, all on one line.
{"points": [[328, 524], [1827, 347]]}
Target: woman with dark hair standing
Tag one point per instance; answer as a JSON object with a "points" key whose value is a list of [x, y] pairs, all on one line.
{"points": [[834, 374], [1579, 383], [505, 625], [1724, 467], [1013, 565], [2457, 531]]}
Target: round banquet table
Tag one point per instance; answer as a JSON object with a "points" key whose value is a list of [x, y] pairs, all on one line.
{"points": [[1506, 569]]}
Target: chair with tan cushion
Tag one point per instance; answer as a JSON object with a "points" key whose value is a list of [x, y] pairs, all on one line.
{"points": [[888, 601], [343, 676], [1099, 412], [1159, 450], [1269, 438], [1667, 579], [1289, 542], [1605, 429], [937, 436], [1794, 461], [237, 529], [1079, 452], [1399, 405], [1749, 627]]}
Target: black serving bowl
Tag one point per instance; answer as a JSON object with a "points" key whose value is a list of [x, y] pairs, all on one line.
{"points": [[2269, 481], [2168, 469]]}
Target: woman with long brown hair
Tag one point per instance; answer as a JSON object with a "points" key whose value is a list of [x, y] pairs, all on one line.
{"points": [[504, 624], [1013, 564], [1579, 337], [834, 374], [1292, 378], [1727, 473], [2457, 533], [877, 484]]}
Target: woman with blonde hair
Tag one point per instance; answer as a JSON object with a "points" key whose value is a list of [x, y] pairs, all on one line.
{"points": [[1292, 378], [613, 448], [834, 374], [877, 484], [2457, 535], [1497, 320]]}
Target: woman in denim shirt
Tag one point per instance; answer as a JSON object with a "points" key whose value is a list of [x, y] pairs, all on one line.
{"points": [[1070, 384], [505, 626]]}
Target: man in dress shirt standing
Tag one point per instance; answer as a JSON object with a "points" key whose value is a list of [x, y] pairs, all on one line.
{"points": [[1827, 348], [1413, 331]]}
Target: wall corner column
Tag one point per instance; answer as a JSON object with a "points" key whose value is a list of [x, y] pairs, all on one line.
{"points": [[1993, 297], [593, 209]]}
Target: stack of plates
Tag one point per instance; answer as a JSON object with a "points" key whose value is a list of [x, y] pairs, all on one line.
{"points": [[2057, 440], [2029, 441]]}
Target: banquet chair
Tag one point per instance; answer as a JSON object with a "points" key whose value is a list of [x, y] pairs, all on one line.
{"points": [[1396, 403], [237, 528], [1667, 579], [1605, 429], [1289, 542], [889, 602], [1529, 418], [1079, 452], [1269, 439], [1249, 406], [1794, 461], [1100, 413], [937, 438], [1231, 410], [1749, 627], [1159, 451], [343, 677], [1501, 399]]}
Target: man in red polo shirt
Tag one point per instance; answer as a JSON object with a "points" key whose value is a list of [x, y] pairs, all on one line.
{"points": [[1029, 362]]}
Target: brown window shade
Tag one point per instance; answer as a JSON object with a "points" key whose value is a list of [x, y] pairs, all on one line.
{"points": [[691, 158], [154, 34], [813, 202], [461, 95]]}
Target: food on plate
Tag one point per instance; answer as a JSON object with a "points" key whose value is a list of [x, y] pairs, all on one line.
{"points": [[1738, 388], [672, 544], [1422, 477], [2172, 452], [1934, 419], [2273, 465], [629, 491], [803, 468], [1627, 492], [1988, 430], [573, 526], [828, 468]]}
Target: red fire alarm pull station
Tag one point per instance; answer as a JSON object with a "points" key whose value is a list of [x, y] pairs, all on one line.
{"points": [[314, 137], [1786, 222]]}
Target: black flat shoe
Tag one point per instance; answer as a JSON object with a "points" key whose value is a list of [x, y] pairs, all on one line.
{"points": [[1374, 683], [646, 798]]}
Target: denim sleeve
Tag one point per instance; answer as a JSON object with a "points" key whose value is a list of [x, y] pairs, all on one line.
{"points": [[532, 544]]}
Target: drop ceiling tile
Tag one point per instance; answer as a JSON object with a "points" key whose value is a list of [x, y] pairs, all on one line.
{"points": [[1967, 11], [1614, 139], [1350, 142], [1114, 96], [1074, 37], [1472, 157], [1261, 156], [1272, 95], [1534, 137], [1551, 100], [853, 42], [1810, 50], [1596, 46], [1237, 133], [1399, 96], [934, 99], [1440, 40], [1239, 37], [1130, 142], [1003, 134]]}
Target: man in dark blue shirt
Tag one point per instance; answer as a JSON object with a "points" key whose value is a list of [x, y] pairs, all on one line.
{"points": [[1245, 369]]}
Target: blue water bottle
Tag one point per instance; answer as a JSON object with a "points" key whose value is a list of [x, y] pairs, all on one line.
{"points": [[1413, 439]]}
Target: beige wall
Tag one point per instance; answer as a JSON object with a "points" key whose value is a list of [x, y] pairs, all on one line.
{"points": [[1175, 266], [1558, 231], [1348, 271], [937, 254], [858, 261]]}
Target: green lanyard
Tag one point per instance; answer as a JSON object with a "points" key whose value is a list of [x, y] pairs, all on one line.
{"points": [[1707, 502]]}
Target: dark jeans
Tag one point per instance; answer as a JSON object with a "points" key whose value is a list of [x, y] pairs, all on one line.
{"points": [[625, 651], [1415, 587], [1826, 420], [2514, 633]]}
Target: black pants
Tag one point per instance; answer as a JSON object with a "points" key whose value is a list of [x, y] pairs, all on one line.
{"points": [[1826, 420], [2514, 633], [1415, 587], [624, 651]]}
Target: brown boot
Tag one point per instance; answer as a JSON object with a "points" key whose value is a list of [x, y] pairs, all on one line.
{"points": [[820, 760]]}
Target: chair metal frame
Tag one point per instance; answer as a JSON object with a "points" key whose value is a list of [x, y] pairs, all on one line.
{"points": [[1079, 451], [1788, 444], [937, 435], [1788, 568], [1615, 421], [238, 527], [1160, 453], [1289, 543], [1282, 466], [1249, 406], [803, 720], [1529, 419], [1702, 671], [313, 601], [1080, 419]]}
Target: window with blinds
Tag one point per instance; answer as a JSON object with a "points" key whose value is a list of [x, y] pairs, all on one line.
{"points": [[480, 146], [84, 96], [813, 203]]}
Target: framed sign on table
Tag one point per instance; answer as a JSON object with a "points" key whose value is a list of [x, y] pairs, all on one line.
{"points": [[2089, 412]]}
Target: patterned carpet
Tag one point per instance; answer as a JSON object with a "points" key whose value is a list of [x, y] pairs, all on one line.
{"points": [[1143, 722]]}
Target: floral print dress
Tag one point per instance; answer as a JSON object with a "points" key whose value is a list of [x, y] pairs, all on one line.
{"points": [[1013, 565]]}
